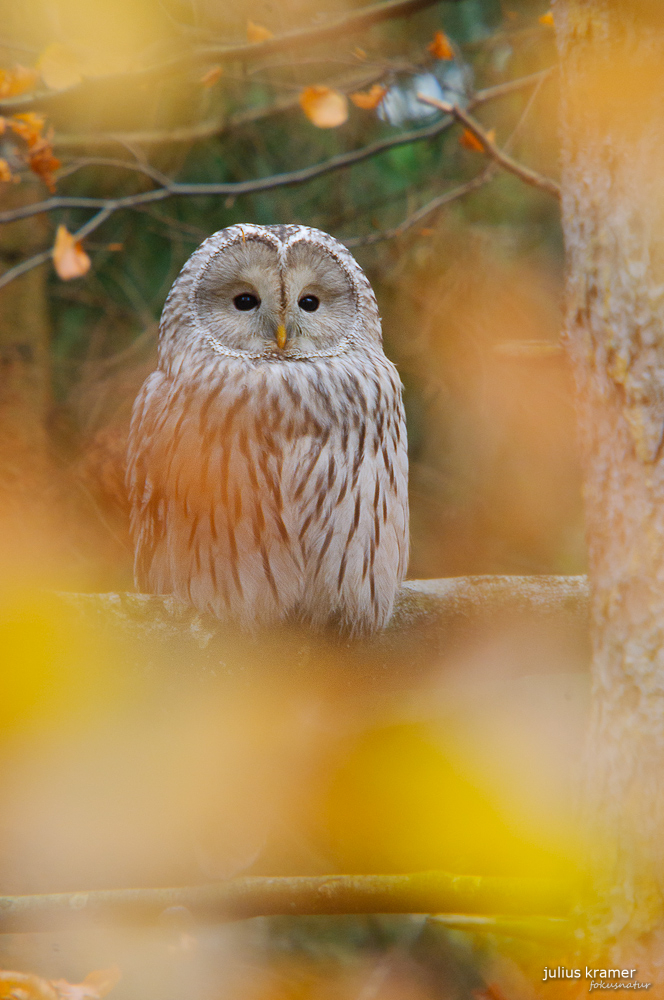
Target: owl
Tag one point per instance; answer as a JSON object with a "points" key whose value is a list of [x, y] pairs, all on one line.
{"points": [[267, 464]]}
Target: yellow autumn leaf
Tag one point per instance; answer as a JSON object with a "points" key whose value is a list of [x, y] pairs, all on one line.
{"points": [[211, 77], [60, 67], [69, 258], [257, 33], [325, 107], [369, 99], [440, 47], [547, 19], [17, 80]]}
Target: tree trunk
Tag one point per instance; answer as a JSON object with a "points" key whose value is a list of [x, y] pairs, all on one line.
{"points": [[612, 55]]}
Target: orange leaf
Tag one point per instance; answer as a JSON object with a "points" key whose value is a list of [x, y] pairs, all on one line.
{"points": [[369, 99], [547, 19], [42, 162], [29, 126], [95, 986], [470, 141], [257, 33], [325, 107], [5, 172], [69, 258], [17, 80], [60, 67], [359, 53], [440, 47], [211, 77], [24, 986]]}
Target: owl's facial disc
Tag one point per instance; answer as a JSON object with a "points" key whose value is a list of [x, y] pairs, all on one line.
{"points": [[320, 299], [252, 301], [238, 296]]}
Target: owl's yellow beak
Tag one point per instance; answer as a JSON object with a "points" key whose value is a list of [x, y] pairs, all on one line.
{"points": [[281, 336]]}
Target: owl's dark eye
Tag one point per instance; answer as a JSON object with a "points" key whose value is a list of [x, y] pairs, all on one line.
{"points": [[309, 303], [246, 301]]}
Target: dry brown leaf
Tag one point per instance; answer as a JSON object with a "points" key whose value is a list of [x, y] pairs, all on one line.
{"points": [[440, 47], [211, 77], [470, 141], [69, 258], [5, 173], [60, 67], [17, 80], [257, 33], [369, 99], [325, 107], [547, 19]]}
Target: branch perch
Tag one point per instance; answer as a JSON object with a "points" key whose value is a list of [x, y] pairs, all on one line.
{"points": [[253, 896]]}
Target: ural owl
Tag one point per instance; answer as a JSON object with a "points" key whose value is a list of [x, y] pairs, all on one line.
{"points": [[267, 464]]}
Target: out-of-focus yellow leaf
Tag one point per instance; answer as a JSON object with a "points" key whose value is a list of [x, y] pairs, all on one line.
{"points": [[359, 53], [211, 77], [17, 80], [547, 19], [69, 258], [257, 33], [470, 141], [325, 107], [25, 986], [440, 47], [369, 99], [60, 67], [5, 173]]}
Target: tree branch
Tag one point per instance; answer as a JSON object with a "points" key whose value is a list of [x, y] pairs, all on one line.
{"points": [[524, 173], [253, 896], [355, 21]]}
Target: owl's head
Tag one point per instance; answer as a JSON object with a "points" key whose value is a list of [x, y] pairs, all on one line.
{"points": [[270, 292]]}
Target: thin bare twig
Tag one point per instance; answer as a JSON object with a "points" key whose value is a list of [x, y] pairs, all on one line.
{"points": [[431, 206], [216, 126], [491, 149]]}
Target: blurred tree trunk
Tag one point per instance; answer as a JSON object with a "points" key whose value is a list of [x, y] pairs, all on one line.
{"points": [[25, 467], [612, 55]]}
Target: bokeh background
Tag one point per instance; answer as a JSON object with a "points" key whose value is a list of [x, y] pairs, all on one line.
{"points": [[123, 769]]}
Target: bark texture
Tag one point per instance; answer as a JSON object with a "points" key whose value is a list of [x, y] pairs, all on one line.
{"points": [[612, 57]]}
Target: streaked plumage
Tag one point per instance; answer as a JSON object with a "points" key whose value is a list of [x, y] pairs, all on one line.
{"points": [[269, 483]]}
